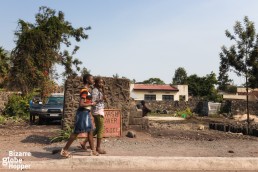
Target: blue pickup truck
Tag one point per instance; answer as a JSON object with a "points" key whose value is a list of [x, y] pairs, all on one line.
{"points": [[51, 110]]}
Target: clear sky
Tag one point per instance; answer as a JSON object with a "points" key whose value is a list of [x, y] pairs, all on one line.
{"points": [[140, 39]]}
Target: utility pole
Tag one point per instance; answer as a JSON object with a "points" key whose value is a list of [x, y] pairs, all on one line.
{"points": [[247, 105], [247, 90]]}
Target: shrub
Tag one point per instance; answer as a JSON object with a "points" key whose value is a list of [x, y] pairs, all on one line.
{"points": [[2, 119], [187, 113], [62, 134], [18, 105]]}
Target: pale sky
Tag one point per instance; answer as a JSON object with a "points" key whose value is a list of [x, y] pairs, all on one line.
{"points": [[140, 39]]}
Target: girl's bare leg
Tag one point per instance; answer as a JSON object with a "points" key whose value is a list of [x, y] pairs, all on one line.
{"points": [[83, 144], [70, 141], [90, 138]]}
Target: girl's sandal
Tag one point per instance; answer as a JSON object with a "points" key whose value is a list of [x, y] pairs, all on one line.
{"points": [[65, 154], [94, 153]]}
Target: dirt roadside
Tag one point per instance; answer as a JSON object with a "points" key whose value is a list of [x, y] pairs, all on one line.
{"points": [[164, 138]]}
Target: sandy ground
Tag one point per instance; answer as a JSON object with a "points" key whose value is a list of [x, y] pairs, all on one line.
{"points": [[164, 138], [155, 118], [244, 118]]}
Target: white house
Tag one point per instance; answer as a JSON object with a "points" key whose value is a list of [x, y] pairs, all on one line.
{"points": [[159, 92]]}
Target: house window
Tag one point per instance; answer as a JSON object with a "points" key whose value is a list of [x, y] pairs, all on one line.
{"points": [[167, 97], [181, 98], [149, 97]]}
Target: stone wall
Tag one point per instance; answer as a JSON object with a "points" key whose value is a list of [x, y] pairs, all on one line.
{"points": [[136, 121], [197, 106], [4, 97], [239, 107], [173, 106], [117, 91]]}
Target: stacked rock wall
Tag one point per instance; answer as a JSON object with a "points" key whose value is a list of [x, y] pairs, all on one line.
{"points": [[239, 107], [172, 107], [118, 97]]}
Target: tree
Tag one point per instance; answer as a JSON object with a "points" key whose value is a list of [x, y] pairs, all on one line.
{"points": [[242, 56], [38, 50], [223, 78], [133, 81], [154, 81], [85, 71], [194, 85], [253, 80], [68, 62], [231, 89], [4, 66], [203, 86], [116, 76], [180, 77]]}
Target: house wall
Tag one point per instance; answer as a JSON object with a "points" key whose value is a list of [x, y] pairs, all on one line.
{"points": [[240, 95], [242, 89], [183, 90], [139, 94], [251, 98]]}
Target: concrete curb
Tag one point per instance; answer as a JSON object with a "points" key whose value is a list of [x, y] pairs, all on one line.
{"points": [[146, 163]]}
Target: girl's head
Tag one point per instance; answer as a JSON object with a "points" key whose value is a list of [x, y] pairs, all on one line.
{"points": [[88, 79], [99, 82]]}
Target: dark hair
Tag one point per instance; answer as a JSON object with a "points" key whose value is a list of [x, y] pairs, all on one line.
{"points": [[85, 78], [143, 102], [97, 80]]}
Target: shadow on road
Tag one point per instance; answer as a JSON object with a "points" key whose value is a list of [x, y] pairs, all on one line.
{"points": [[36, 139]]}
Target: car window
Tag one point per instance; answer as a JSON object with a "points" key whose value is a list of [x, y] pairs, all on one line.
{"points": [[55, 100]]}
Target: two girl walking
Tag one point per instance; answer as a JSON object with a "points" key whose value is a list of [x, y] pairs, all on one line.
{"points": [[91, 102]]}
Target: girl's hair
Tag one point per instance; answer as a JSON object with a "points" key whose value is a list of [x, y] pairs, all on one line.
{"points": [[97, 80], [85, 78]]}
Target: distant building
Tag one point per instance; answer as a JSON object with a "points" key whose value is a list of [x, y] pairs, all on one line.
{"points": [[241, 94], [159, 92]]}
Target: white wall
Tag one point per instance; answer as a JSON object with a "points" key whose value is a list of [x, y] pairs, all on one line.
{"points": [[183, 90], [139, 95]]}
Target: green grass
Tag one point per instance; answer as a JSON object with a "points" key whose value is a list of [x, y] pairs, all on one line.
{"points": [[2, 119], [13, 119]]}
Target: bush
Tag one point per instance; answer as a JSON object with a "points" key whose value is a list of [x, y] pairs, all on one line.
{"points": [[63, 134], [2, 119], [18, 106], [187, 113]]}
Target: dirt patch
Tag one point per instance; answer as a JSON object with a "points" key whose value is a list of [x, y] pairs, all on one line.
{"points": [[241, 118], [190, 130]]}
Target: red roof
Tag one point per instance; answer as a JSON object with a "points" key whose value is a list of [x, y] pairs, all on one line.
{"points": [[153, 87]]}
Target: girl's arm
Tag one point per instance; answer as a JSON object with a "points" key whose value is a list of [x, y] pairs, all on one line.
{"points": [[94, 95], [104, 97], [83, 104]]}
